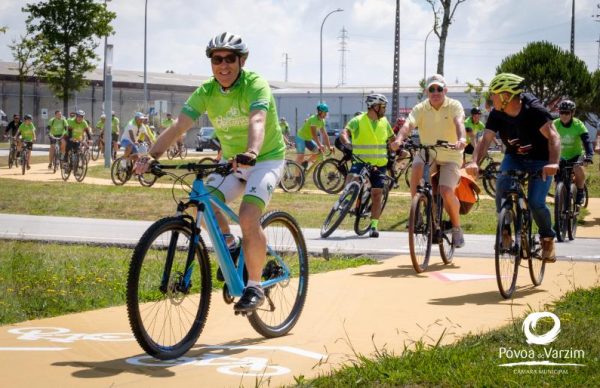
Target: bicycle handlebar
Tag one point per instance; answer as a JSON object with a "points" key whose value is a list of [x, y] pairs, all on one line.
{"points": [[220, 168]]}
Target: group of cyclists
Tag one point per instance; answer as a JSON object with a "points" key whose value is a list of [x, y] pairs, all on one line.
{"points": [[253, 139]]}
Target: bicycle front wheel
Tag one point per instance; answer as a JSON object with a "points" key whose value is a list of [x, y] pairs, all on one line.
{"points": [[420, 232], [445, 238], [340, 208], [11, 158], [96, 149], [331, 175], [537, 266], [120, 171], [561, 210], [65, 170], [183, 152], [81, 166], [287, 266], [167, 303], [292, 177], [147, 179], [507, 251], [23, 160]]}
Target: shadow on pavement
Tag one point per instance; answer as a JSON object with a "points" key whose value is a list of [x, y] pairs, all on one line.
{"points": [[403, 271], [152, 367], [489, 297]]}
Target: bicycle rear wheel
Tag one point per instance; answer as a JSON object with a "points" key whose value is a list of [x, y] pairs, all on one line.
{"points": [[331, 175], [183, 153], [574, 213], [537, 266], [561, 210], [507, 251], [420, 232], [166, 320], [489, 178], [287, 260], [407, 174], [340, 208], [445, 238], [96, 149], [11, 158], [171, 152], [292, 177], [81, 166]]}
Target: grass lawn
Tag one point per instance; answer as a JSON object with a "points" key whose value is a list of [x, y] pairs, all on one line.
{"points": [[474, 360], [40, 280]]}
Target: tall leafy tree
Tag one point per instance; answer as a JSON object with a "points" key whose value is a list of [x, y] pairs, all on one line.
{"points": [[68, 32], [475, 90], [588, 108], [550, 72], [443, 13], [26, 56]]}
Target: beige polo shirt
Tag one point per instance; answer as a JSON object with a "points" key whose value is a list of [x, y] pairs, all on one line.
{"points": [[438, 124]]}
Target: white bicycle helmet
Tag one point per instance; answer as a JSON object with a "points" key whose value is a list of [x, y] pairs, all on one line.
{"points": [[227, 41], [375, 99]]}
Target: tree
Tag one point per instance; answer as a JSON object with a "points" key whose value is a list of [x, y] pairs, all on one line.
{"points": [[588, 108], [25, 54], [476, 94], [68, 32], [550, 72], [443, 12]]}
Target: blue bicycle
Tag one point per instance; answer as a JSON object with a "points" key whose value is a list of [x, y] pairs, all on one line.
{"points": [[169, 283]]}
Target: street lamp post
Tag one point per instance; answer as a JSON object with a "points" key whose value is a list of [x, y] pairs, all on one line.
{"points": [[104, 70], [321, 56], [145, 34], [425, 56], [108, 58]]}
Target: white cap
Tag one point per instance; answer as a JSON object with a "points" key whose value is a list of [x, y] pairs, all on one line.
{"points": [[436, 79]]}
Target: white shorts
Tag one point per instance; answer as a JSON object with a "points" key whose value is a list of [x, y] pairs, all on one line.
{"points": [[257, 183]]}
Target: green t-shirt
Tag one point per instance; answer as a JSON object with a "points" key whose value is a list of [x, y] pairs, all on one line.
{"points": [[78, 128], [229, 110], [570, 138], [114, 126], [305, 133], [58, 127], [27, 131], [476, 128], [285, 128], [166, 123]]}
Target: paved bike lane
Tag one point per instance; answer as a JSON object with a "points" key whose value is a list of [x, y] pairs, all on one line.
{"points": [[347, 312]]}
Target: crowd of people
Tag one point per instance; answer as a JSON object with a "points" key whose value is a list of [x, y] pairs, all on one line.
{"points": [[254, 139]]}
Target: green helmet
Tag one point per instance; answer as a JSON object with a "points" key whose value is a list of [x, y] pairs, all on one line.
{"points": [[507, 82]]}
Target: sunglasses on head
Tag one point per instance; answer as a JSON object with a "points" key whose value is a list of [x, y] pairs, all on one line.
{"points": [[217, 59], [438, 89]]}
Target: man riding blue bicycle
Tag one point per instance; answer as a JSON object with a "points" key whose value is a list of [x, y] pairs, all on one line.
{"points": [[532, 145], [241, 107], [370, 134]]}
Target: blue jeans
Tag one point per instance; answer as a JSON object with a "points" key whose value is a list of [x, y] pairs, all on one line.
{"points": [[536, 193]]}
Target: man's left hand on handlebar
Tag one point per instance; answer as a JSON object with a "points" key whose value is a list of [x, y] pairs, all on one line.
{"points": [[244, 160]]}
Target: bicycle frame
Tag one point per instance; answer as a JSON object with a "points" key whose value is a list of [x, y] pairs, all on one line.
{"points": [[201, 198]]}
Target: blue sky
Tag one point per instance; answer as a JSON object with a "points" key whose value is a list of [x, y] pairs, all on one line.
{"points": [[482, 34]]}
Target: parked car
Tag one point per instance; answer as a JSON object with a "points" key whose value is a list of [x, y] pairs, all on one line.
{"points": [[205, 139]]}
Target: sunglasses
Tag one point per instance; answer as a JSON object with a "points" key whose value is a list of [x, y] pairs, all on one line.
{"points": [[438, 89], [565, 112], [217, 59]]}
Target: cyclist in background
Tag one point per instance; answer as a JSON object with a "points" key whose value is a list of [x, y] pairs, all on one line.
{"points": [[532, 145], [370, 134], [26, 132], [285, 130], [76, 128], [13, 126], [134, 130], [57, 129], [242, 109], [439, 118], [166, 123], [473, 127], [574, 143], [308, 137]]}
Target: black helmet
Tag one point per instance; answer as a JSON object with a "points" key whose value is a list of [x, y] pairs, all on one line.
{"points": [[566, 105], [227, 41], [475, 110]]}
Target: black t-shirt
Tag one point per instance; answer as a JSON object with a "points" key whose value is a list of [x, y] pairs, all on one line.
{"points": [[521, 134], [12, 127]]}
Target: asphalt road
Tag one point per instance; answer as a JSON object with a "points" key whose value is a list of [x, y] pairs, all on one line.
{"points": [[127, 233]]}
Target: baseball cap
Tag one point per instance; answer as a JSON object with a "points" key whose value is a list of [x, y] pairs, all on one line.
{"points": [[436, 79]]}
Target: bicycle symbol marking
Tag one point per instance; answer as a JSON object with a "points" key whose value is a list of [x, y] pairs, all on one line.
{"points": [[62, 335], [233, 366]]}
